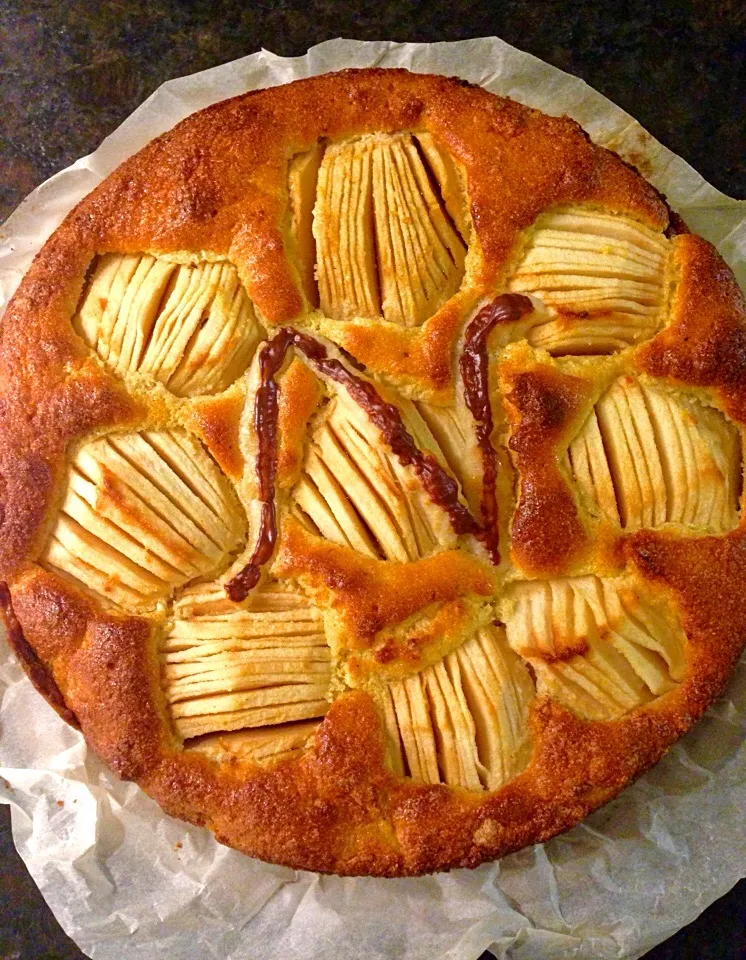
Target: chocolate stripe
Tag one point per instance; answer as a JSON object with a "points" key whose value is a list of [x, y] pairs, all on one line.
{"points": [[474, 367], [271, 359], [440, 487]]}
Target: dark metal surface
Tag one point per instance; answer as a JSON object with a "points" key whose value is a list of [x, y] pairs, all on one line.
{"points": [[72, 70]]}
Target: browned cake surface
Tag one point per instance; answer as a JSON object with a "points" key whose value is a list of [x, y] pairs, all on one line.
{"points": [[371, 481]]}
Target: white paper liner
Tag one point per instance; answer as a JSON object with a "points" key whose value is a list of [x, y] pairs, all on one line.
{"points": [[129, 883]]}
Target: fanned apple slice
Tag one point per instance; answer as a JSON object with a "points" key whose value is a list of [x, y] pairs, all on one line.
{"points": [[498, 691], [261, 745], [590, 467], [701, 458], [420, 255], [208, 599], [344, 233], [595, 645], [144, 513], [355, 492], [415, 725], [602, 277], [646, 457], [227, 667], [450, 182], [385, 243], [431, 525], [192, 327], [571, 334], [453, 430], [394, 750], [633, 455], [453, 726], [463, 721], [253, 708]]}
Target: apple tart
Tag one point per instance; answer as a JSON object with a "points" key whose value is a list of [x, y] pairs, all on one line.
{"points": [[372, 473]]}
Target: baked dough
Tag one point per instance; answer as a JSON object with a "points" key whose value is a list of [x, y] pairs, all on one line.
{"points": [[371, 473]]}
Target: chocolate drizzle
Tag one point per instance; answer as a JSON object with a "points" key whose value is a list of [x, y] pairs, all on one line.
{"points": [[271, 359], [440, 487], [474, 368], [38, 673]]}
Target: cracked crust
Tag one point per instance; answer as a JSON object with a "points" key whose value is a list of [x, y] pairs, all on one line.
{"points": [[227, 185]]}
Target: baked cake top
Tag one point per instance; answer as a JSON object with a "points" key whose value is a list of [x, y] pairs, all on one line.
{"points": [[371, 473]]}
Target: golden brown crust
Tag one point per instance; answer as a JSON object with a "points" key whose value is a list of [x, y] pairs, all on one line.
{"points": [[705, 344], [542, 405], [299, 399], [372, 594], [217, 422], [216, 187], [37, 671]]}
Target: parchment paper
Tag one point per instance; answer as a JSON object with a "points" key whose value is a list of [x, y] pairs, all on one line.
{"points": [[128, 883]]}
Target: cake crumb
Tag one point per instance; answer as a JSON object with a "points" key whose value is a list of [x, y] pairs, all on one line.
{"points": [[487, 832]]}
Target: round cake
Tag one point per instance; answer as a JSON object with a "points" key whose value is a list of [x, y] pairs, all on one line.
{"points": [[371, 475]]}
